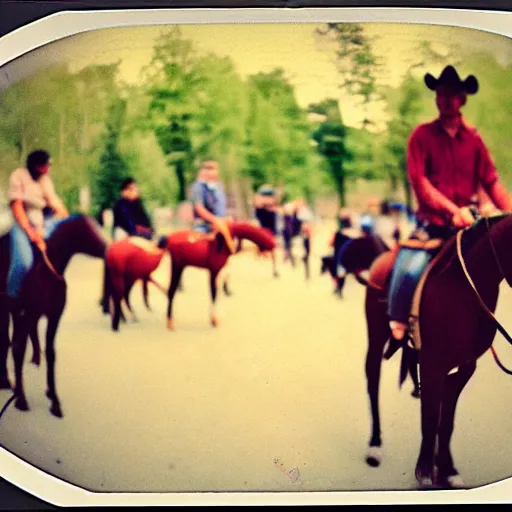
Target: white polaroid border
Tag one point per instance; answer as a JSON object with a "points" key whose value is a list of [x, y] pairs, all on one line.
{"points": [[64, 24]]}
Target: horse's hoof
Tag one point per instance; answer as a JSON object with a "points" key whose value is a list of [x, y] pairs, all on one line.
{"points": [[214, 321], [36, 360], [415, 393], [454, 481], [5, 384], [374, 456], [21, 404], [426, 483], [170, 324], [56, 410]]}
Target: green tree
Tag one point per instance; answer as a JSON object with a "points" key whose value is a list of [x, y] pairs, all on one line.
{"points": [[112, 168]]}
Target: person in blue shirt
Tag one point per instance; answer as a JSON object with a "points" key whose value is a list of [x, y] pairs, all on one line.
{"points": [[209, 204]]}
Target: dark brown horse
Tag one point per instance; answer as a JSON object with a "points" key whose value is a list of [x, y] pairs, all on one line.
{"points": [[189, 248], [43, 294], [455, 330], [357, 258]]}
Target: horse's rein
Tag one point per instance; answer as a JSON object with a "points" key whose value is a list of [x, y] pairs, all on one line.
{"points": [[472, 284], [50, 266]]}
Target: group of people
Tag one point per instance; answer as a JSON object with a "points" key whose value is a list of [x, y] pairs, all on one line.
{"points": [[291, 219], [448, 165]]}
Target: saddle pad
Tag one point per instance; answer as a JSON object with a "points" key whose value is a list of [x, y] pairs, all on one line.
{"points": [[144, 244]]}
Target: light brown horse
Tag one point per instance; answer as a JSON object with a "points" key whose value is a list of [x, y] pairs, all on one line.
{"points": [[126, 262], [456, 327], [210, 252]]}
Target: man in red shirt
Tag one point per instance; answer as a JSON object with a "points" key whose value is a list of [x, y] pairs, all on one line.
{"points": [[448, 163]]}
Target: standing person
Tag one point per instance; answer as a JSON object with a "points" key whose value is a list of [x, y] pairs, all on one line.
{"points": [[31, 190], [130, 217], [265, 208], [447, 162], [304, 217], [288, 231]]}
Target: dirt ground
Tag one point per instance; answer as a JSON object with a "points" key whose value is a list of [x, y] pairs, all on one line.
{"points": [[274, 399]]}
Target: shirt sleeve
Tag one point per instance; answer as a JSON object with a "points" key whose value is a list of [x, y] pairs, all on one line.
{"points": [[48, 189], [196, 194], [487, 172], [16, 189]]}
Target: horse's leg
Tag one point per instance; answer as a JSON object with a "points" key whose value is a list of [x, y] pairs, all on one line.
{"points": [[378, 334], [4, 342], [128, 288], [105, 301], [176, 273], [340, 284], [145, 292], [51, 393], [36, 345], [448, 476], [117, 295], [432, 384], [413, 372], [213, 292], [19, 346]]}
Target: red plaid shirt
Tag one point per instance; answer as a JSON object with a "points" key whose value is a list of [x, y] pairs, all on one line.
{"points": [[455, 166]]}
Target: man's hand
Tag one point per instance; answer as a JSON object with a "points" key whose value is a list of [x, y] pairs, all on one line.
{"points": [[463, 218]]}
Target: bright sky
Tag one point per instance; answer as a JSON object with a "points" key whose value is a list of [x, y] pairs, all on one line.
{"points": [[258, 47]]}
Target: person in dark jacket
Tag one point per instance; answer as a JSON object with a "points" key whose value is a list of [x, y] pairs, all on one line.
{"points": [[130, 216]]}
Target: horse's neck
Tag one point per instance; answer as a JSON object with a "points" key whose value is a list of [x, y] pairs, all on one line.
{"points": [[59, 256], [482, 266]]}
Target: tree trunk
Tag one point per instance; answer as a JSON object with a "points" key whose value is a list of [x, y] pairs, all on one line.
{"points": [[338, 173], [182, 185]]}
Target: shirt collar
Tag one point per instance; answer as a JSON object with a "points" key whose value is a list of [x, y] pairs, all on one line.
{"points": [[462, 131]]}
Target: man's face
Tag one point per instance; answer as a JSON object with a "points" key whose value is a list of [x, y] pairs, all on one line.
{"points": [[450, 100], [44, 169], [211, 171], [131, 192]]}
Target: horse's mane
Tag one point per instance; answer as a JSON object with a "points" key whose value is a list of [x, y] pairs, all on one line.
{"points": [[262, 237], [472, 238]]}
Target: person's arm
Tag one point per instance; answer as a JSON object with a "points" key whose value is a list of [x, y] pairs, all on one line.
{"points": [[54, 201], [425, 192]]}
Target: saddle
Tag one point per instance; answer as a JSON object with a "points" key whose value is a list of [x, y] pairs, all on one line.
{"points": [[380, 272], [144, 244], [222, 229]]}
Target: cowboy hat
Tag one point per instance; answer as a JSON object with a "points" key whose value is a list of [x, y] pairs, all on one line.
{"points": [[449, 76]]}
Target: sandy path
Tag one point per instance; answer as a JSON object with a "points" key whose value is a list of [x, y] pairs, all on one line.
{"points": [[279, 385]]}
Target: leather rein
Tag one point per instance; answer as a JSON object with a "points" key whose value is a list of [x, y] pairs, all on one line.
{"points": [[500, 328]]}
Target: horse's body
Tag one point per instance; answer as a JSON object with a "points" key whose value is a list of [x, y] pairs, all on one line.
{"points": [[190, 249], [454, 331], [43, 294], [357, 258], [126, 262]]}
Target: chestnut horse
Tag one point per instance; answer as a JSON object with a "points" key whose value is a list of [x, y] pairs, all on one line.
{"points": [[126, 262], [43, 294], [189, 248], [456, 326]]}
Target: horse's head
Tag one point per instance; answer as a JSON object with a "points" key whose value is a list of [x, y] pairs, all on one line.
{"points": [[78, 234], [262, 237]]}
